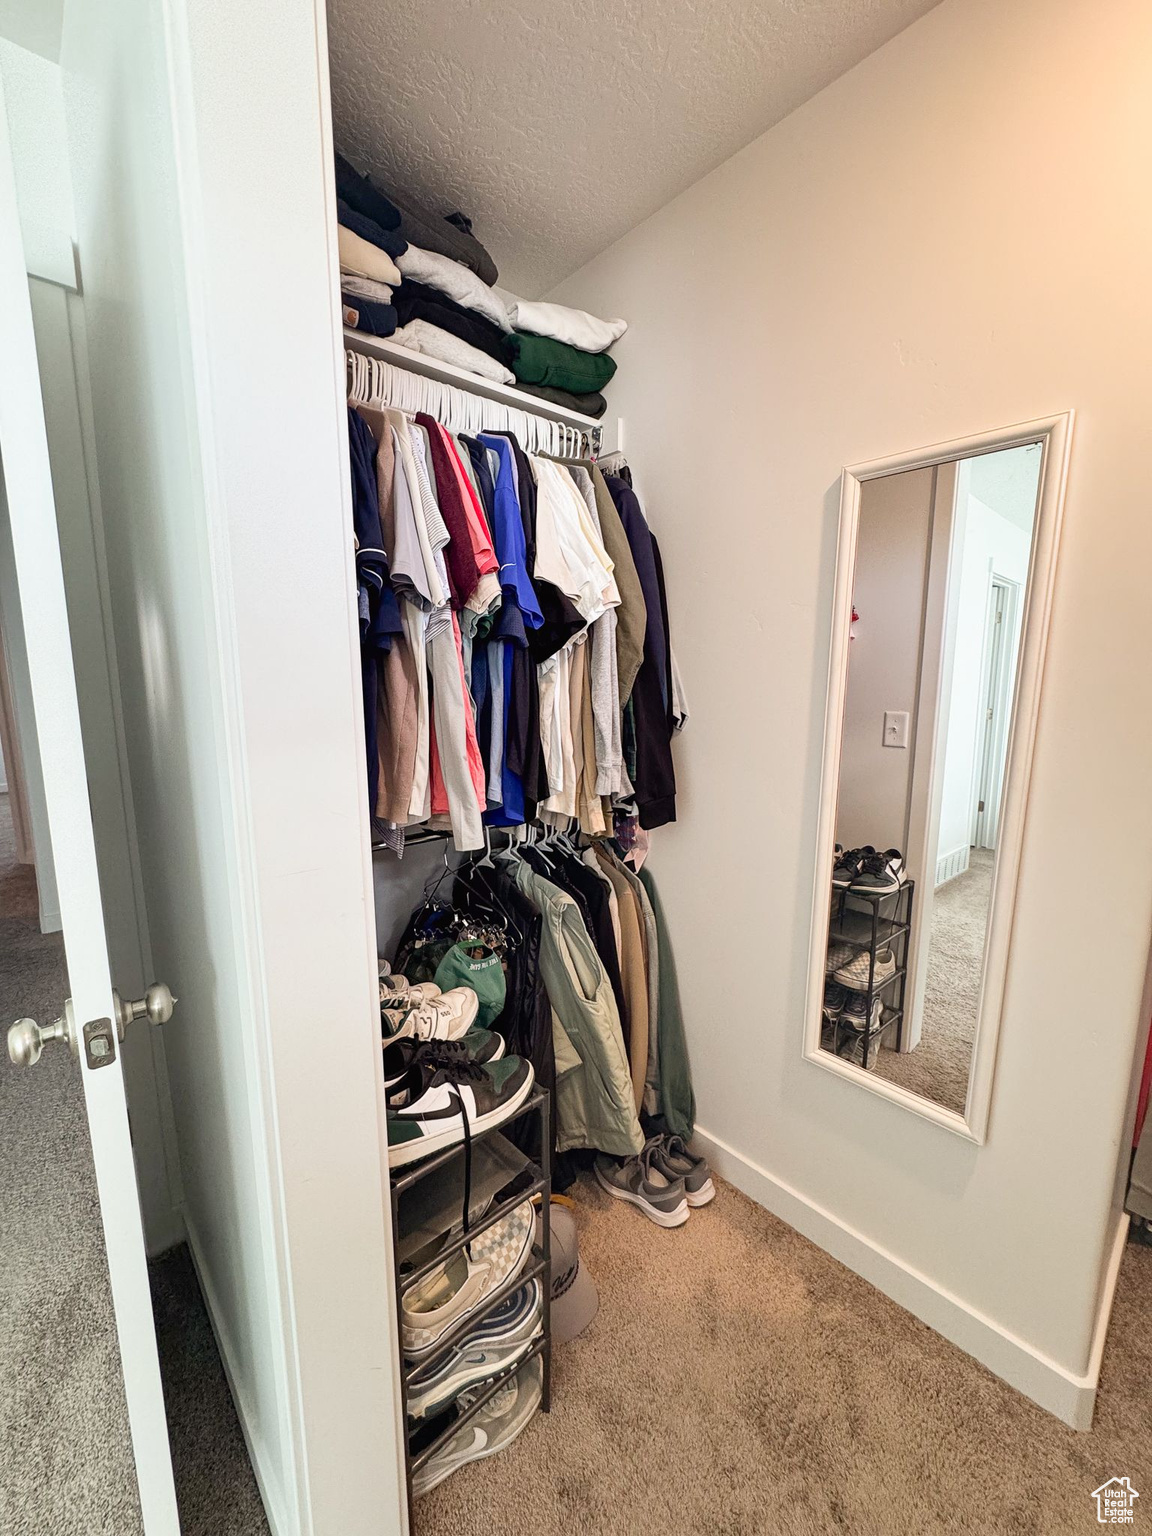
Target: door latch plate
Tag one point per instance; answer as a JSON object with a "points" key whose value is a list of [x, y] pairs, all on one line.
{"points": [[99, 1043]]}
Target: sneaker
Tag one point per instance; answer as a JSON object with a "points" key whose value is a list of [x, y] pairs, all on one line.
{"points": [[674, 1161], [852, 1049], [839, 954], [441, 1091], [855, 1011], [504, 1416], [879, 873], [661, 1198], [495, 1344], [478, 1045], [835, 1000], [846, 866], [438, 1302], [853, 974], [447, 1016], [399, 990]]}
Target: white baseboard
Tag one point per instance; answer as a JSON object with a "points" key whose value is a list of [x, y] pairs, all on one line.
{"points": [[258, 1453], [1060, 1391], [949, 865]]}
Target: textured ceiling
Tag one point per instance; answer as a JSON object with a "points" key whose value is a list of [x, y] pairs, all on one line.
{"points": [[557, 127]]}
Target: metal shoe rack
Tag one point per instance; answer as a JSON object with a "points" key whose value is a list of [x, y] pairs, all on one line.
{"points": [[528, 1178], [873, 920]]}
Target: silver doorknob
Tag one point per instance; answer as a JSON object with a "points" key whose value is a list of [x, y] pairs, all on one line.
{"points": [[27, 1039], [156, 1006]]}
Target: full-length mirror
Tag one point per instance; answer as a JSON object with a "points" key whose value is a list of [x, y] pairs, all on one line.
{"points": [[937, 650]]}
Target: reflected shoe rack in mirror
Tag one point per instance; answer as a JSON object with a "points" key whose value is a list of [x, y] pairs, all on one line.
{"points": [[866, 971]]}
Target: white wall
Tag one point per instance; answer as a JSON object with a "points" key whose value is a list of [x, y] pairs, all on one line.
{"points": [[201, 176], [35, 109], [983, 543], [948, 239], [884, 658]]}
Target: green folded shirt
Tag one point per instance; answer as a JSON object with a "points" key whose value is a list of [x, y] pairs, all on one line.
{"points": [[540, 360]]}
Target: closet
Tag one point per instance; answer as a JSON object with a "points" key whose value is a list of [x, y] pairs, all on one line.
{"points": [[209, 326]]}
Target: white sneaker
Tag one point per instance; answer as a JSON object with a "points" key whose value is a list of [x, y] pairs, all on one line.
{"points": [[398, 990], [448, 1016]]}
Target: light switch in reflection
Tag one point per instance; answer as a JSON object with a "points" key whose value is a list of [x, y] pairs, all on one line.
{"points": [[895, 727]]}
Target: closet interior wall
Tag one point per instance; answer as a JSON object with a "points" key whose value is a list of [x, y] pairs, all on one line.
{"points": [[905, 340]]}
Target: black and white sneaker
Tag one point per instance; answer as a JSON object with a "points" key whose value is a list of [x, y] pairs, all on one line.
{"points": [[835, 1000], [879, 873], [444, 1098], [846, 865], [478, 1045], [855, 1011]]}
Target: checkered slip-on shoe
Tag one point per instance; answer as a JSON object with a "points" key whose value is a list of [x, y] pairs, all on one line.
{"points": [[459, 1286], [853, 974], [839, 954]]}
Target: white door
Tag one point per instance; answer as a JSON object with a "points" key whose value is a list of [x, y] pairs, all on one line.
{"points": [[86, 1026]]}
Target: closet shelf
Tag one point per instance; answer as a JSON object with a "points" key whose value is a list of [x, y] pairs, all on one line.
{"points": [[446, 373]]}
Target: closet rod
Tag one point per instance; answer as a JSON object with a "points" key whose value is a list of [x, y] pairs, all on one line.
{"points": [[444, 390]]}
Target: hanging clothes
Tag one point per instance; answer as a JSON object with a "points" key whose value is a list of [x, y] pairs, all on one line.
{"points": [[653, 775], [517, 661]]}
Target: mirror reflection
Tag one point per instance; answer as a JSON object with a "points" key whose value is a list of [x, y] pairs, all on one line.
{"points": [[941, 571]]}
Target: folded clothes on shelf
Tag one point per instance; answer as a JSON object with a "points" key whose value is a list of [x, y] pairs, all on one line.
{"points": [[367, 315], [576, 327], [417, 301], [366, 288], [388, 240], [433, 341], [364, 259], [540, 360], [456, 281], [593, 405]]}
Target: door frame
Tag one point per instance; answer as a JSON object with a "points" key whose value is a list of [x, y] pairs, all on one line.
{"points": [[998, 673]]}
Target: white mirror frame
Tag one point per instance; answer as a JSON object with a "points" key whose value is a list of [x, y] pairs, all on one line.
{"points": [[1054, 434]]}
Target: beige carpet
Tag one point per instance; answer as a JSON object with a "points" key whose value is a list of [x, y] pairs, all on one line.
{"points": [[739, 1382], [938, 1067]]}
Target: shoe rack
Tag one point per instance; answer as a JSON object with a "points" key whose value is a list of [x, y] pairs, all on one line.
{"points": [[872, 921], [443, 1177]]}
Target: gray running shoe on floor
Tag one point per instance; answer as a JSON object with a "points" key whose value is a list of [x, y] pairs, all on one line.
{"points": [[675, 1161], [642, 1184]]}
